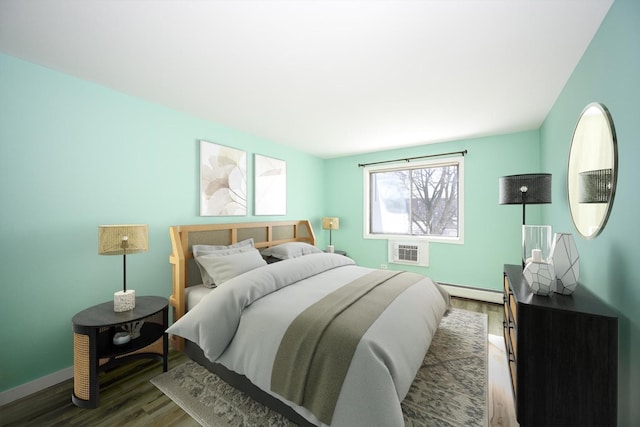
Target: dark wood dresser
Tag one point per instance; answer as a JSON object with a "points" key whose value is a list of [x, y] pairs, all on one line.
{"points": [[563, 355]]}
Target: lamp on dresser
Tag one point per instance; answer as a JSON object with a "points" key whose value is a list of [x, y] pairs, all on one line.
{"points": [[525, 189], [123, 240]]}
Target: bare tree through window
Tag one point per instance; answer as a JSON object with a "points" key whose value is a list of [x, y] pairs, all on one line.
{"points": [[420, 201], [434, 201]]}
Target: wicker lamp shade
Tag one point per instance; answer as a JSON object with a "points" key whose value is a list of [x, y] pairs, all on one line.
{"points": [[123, 239], [330, 223]]}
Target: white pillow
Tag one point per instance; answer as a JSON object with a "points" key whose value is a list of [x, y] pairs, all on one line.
{"points": [[225, 267], [199, 250], [207, 249], [291, 250], [207, 279]]}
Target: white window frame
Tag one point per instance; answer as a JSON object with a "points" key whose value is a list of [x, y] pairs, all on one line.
{"points": [[415, 165]]}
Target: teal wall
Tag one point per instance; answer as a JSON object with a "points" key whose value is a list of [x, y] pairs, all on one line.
{"points": [[74, 155], [609, 72], [491, 231]]}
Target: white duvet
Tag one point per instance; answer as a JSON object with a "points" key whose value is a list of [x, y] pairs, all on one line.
{"points": [[241, 323]]}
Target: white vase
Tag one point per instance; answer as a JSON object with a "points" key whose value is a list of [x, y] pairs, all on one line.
{"points": [[540, 277], [566, 261]]}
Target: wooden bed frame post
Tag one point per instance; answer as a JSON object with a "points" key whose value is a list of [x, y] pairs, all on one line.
{"points": [[179, 273]]}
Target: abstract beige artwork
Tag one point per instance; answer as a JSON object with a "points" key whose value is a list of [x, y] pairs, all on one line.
{"points": [[270, 186], [223, 180]]}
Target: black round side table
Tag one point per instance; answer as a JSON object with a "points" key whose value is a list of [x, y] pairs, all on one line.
{"points": [[94, 350]]}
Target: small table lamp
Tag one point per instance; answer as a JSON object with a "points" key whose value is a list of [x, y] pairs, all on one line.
{"points": [[330, 223], [525, 189], [123, 240]]}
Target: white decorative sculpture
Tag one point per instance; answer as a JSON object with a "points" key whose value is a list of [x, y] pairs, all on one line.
{"points": [[564, 255], [134, 328], [540, 276]]}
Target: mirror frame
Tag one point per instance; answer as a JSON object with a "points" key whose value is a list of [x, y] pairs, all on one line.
{"points": [[573, 208]]}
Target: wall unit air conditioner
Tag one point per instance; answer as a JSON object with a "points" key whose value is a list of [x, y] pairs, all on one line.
{"points": [[410, 253]]}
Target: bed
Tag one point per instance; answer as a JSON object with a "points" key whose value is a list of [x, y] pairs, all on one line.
{"points": [[313, 336]]}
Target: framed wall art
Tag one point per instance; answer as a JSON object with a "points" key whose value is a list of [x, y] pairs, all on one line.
{"points": [[270, 185], [223, 180]]}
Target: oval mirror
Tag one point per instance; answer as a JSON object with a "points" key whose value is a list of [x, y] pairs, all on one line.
{"points": [[592, 172]]}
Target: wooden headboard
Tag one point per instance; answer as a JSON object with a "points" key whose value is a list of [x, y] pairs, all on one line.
{"points": [[183, 237]]}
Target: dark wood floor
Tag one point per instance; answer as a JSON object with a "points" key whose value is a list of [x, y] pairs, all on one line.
{"points": [[127, 397]]}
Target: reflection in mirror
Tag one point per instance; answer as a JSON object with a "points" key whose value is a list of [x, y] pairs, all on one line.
{"points": [[591, 177]]}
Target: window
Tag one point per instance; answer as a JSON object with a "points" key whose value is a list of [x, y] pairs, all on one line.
{"points": [[421, 200]]}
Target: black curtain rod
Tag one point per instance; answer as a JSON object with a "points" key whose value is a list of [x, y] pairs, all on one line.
{"points": [[408, 159]]}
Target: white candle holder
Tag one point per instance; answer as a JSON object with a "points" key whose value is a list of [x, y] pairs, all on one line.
{"points": [[536, 237]]}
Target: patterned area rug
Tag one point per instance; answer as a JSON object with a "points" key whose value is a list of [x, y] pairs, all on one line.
{"points": [[450, 388]]}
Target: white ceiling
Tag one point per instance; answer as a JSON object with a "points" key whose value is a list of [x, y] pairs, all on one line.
{"points": [[328, 77]]}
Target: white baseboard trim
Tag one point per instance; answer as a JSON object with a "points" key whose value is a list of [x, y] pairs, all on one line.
{"points": [[36, 385], [486, 295]]}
